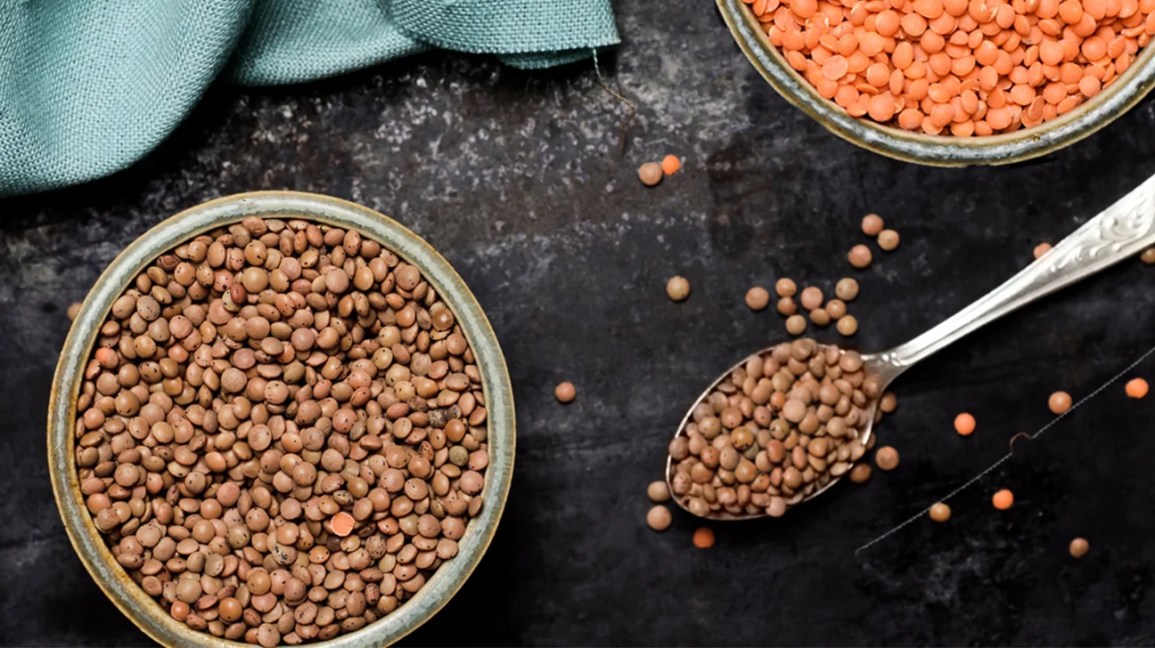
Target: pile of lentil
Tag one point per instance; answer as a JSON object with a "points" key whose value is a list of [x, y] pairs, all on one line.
{"points": [[281, 432], [776, 430], [958, 67]]}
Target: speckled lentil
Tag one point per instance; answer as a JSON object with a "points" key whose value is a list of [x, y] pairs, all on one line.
{"points": [[281, 432]]}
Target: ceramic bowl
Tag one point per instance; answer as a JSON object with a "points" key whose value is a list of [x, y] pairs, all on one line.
{"points": [[1023, 144], [146, 613]]}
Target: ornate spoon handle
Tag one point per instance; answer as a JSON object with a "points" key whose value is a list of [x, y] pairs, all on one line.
{"points": [[1121, 230]]}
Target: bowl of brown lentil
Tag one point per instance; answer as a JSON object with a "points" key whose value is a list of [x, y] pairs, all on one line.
{"points": [[952, 82], [280, 418]]}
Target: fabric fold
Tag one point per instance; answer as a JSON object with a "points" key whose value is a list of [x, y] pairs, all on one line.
{"points": [[89, 87]]}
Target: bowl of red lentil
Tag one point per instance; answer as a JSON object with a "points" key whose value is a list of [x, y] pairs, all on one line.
{"points": [[952, 82], [280, 418]]}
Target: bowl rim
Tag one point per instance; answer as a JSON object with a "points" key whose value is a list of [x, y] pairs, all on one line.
{"points": [[1127, 90], [144, 612]]}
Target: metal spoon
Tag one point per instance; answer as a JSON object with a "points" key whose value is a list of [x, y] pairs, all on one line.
{"points": [[1120, 231]]}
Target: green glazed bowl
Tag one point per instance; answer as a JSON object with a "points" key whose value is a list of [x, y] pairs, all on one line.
{"points": [[1126, 91], [140, 608]]}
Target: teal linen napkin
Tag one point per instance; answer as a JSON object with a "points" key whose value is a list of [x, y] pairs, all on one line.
{"points": [[89, 86]]}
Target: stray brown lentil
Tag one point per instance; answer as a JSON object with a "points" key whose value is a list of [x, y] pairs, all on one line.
{"points": [[796, 325], [860, 257], [860, 473], [872, 224], [73, 309], [846, 289], [259, 389], [650, 173], [658, 492], [1148, 256], [847, 325], [1079, 547], [940, 512], [888, 240], [1041, 249], [776, 430], [886, 458], [659, 518], [757, 298], [678, 288], [787, 288]]}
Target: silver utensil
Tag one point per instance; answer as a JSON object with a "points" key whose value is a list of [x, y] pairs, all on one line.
{"points": [[1120, 231]]}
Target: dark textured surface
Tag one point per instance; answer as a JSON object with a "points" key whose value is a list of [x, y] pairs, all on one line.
{"points": [[518, 179]]}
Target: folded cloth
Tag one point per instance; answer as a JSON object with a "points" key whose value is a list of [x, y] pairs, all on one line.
{"points": [[89, 86]]}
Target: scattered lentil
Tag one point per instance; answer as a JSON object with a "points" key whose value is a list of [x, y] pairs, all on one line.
{"points": [[1136, 388], [658, 492], [1059, 402], [846, 289], [889, 403], [565, 392], [860, 257], [776, 430], [860, 473], [964, 424], [1148, 256], [886, 458], [650, 173], [678, 288], [888, 240], [1079, 547], [847, 325], [1003, 499], [786, 306], [940, 512], [671, 164], [284, 436], [1041, 249], [659, 518], [796, 325], [872, 225], [811, 298], [757, 298], [73, 310], [820, 317], [704, 538], [785, 287]]}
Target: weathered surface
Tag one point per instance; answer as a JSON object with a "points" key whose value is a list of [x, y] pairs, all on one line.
{"points": [[518, 179]]}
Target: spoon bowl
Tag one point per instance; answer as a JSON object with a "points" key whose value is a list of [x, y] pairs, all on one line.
{"points": [[1120, 231]]}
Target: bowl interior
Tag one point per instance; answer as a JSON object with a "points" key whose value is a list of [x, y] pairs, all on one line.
{"points": [[1123, 93], [112, 579]]}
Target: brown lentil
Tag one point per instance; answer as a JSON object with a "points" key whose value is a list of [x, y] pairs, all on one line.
{"points": [[872, 225], [290, 444], [677, 288], [860, 473], [846, 289], [650, 173], [1079, 547], [860, 256], [847, 325], [940, 512], [658, 492], [659, 518], [764, 439], [1148, 256], [757, 298], [796, 325], [888, 240], [785, 287], [886, 458]]}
